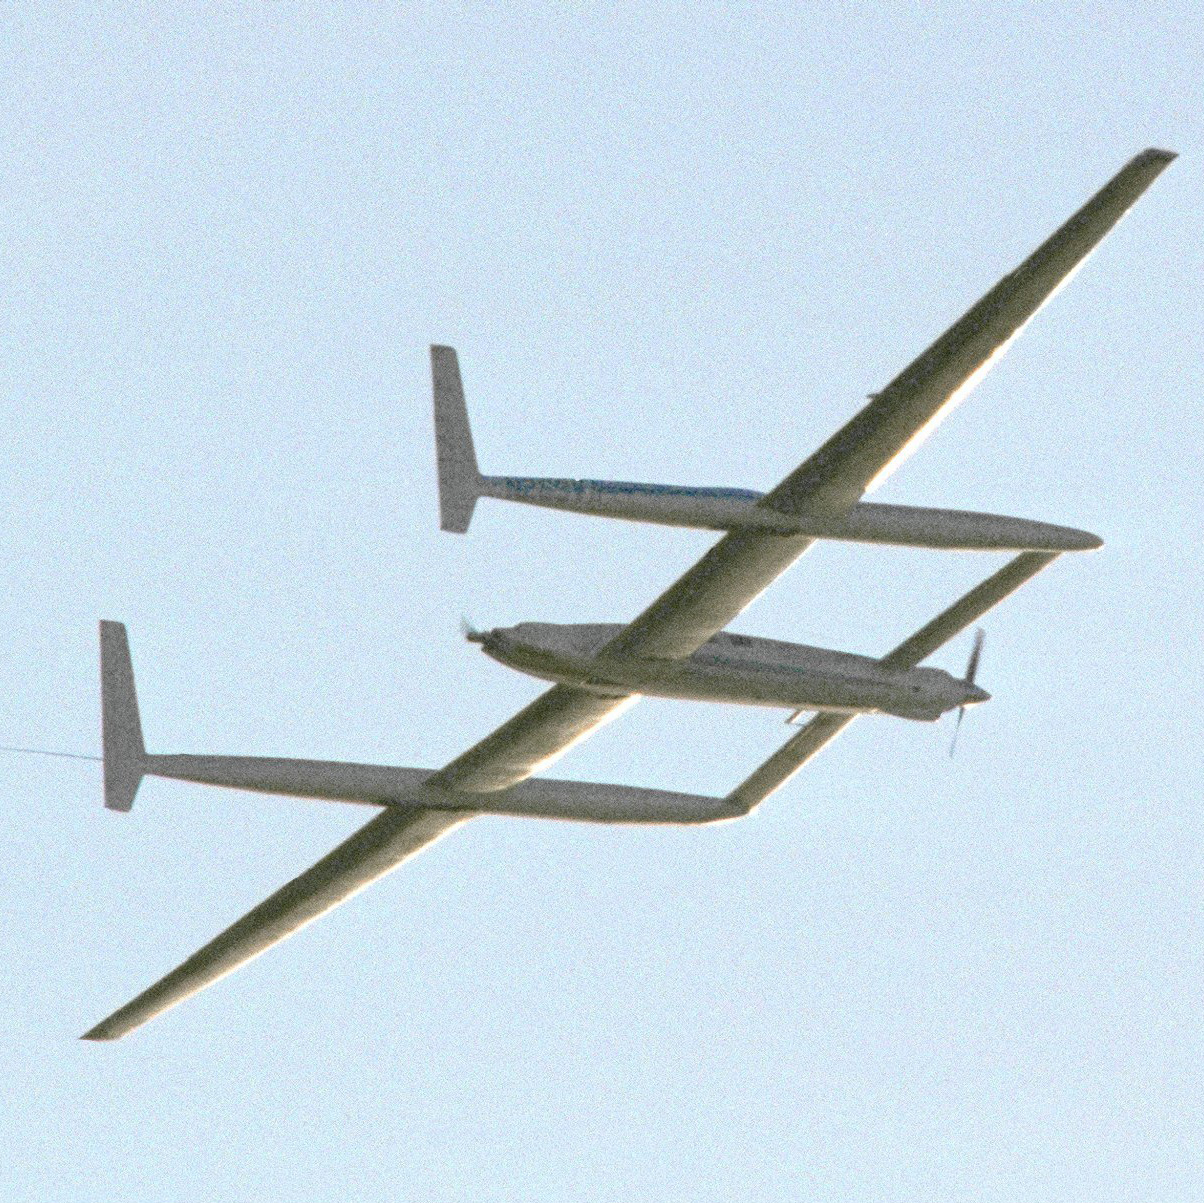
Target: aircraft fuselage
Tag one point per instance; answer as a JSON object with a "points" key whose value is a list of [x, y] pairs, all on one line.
{"points": [[738, 669]]}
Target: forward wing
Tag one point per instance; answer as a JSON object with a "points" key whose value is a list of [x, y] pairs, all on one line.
{"points": [[866, 450], [824, 728]]}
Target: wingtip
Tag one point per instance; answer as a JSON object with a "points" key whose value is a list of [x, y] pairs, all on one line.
{"points": [[1082, 540], [1159, 155], [97, 1035], [112, 1027]]}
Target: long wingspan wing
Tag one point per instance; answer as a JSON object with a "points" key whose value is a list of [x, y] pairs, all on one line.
{"points": [[532, 738], [823, 728], [864, 451], [371, 852]]}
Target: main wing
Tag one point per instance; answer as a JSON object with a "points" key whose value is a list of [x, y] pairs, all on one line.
{"points": [[371, 852], [866, 450], [533, 737]]}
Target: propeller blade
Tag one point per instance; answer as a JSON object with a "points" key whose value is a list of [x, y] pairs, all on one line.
{"points": [[971, 673], [975, 655], [961, 714], [471, 633]]}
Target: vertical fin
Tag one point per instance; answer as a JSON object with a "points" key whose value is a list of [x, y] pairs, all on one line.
{"points": [[459, 478], [124, 751]]}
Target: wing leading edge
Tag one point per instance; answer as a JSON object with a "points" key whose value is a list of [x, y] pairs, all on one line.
{"points": [[866, 450]]}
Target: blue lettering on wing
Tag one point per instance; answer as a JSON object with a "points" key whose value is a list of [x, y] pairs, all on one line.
{"points": [[528, 486]]}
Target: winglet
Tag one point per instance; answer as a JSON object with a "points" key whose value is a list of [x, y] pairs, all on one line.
{"points": [[124, 751], [459, 478]]}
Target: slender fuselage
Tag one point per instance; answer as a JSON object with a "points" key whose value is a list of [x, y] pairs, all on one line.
{"points": [[730, 668], [737, 509]]}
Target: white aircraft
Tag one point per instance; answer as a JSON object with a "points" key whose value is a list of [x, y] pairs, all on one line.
{"points": [[820, 499]]}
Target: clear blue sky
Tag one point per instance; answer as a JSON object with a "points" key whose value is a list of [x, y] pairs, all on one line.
{"points": [[678, 246]]}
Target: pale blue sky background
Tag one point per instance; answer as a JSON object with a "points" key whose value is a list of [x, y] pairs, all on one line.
{"points": [[676, 244]]}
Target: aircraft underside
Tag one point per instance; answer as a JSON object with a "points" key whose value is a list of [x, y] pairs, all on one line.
{"points": [[677, 646], [736, 669]]}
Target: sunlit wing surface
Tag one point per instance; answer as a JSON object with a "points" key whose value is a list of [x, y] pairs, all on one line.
{"points": [[371, 852], [696, 607], [531, 739], [864, 451], [702, 602]]}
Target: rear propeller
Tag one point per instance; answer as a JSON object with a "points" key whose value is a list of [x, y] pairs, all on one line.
{"points": [[471, 633], [971, 673]]}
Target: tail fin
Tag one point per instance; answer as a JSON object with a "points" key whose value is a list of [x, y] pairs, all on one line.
{"points": [[459, 478], [125, 753]]}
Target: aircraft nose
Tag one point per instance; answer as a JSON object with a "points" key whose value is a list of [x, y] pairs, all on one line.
{"points": [[974, 695]]}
